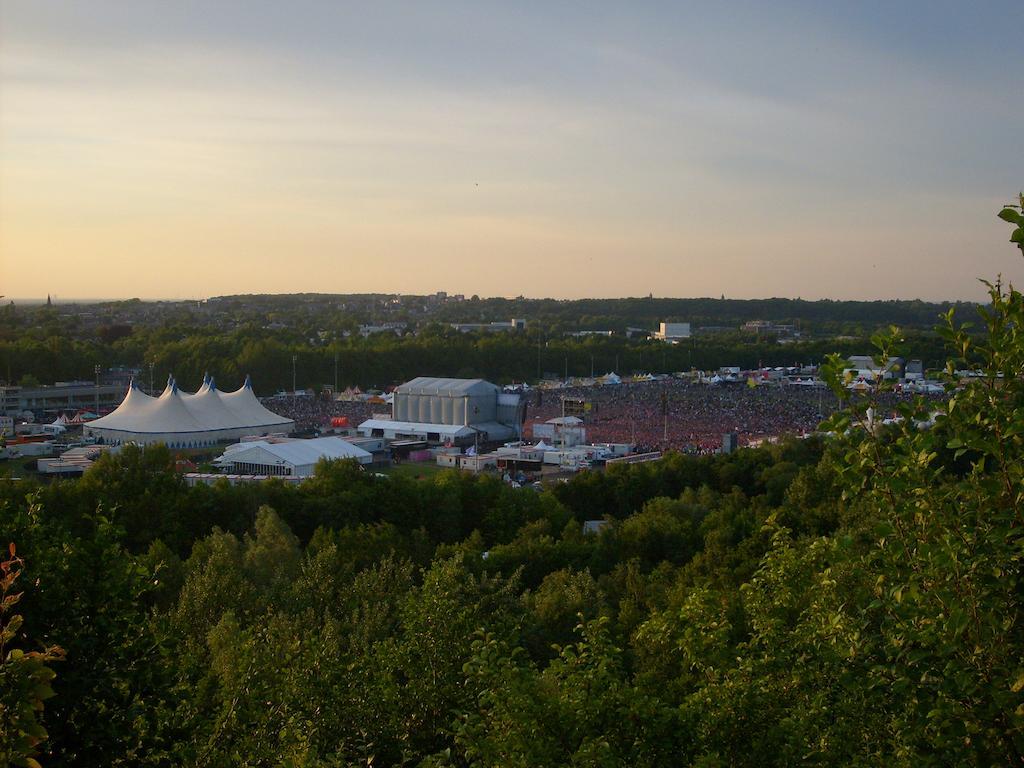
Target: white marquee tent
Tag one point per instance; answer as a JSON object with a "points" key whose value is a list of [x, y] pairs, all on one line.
{"points": [[187, 420], [288, 458]]}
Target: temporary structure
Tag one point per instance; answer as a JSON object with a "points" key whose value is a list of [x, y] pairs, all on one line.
{"points": [[296, 458], [187, 420]]}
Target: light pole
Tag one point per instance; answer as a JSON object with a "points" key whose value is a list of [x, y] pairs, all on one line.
{"points": [[151, 378], [294, 386], [96, 370]]}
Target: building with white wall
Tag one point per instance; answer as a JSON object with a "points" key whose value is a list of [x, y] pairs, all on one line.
{"points": [[672, 331], [288, 458], [456, 411]]}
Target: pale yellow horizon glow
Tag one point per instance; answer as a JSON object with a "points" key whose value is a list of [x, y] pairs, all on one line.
{"points": [[165, 171]]}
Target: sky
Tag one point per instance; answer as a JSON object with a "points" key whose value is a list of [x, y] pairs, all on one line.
{"points": [[581, 149]]}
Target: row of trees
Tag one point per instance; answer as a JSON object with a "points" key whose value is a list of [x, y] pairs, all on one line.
{"points": [[346, 312], [384, 359]]}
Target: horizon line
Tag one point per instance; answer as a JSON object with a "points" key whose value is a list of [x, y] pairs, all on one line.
{"points": [[36, 300]]}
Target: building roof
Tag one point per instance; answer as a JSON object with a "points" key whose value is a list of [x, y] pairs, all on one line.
{"points": [[429, 385], [297, 452], [565, 421]]}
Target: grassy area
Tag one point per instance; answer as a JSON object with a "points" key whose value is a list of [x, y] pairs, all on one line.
{"points": [[22, 466], [411, 469]]}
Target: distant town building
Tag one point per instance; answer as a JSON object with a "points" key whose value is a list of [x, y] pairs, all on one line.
{"points": [[768, 328], [515, 324], [369, 330], [672, 331]]}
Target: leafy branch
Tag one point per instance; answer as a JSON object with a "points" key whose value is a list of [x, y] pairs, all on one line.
{"points": [[24, 676]]}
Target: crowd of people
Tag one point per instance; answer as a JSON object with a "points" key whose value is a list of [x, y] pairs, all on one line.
{"points": [[655, 415], [314, 413], [692, 417]]}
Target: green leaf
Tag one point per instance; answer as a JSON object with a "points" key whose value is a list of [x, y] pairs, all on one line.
{"points": [[1010, 215], [1018, 684]]}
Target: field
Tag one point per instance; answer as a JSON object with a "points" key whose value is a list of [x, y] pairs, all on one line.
{"points": [[410, 469]]}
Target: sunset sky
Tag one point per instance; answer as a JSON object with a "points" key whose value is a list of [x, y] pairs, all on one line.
{"points": [[813, 149]]}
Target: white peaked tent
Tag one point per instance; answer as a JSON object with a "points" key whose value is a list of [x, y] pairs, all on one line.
{"points": [[187, 420]]}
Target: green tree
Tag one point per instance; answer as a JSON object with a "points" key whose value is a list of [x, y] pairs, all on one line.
{"points": [[25, 676]]}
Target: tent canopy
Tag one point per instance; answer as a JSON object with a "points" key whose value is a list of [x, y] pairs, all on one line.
{"points": [[177, 414]]}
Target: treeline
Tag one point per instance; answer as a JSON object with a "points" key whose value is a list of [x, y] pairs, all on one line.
{"points": [[617, 314], [855, 601], [384, 359]]}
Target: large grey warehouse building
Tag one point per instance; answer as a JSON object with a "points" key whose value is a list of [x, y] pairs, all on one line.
{"points": [[460, 411]]}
